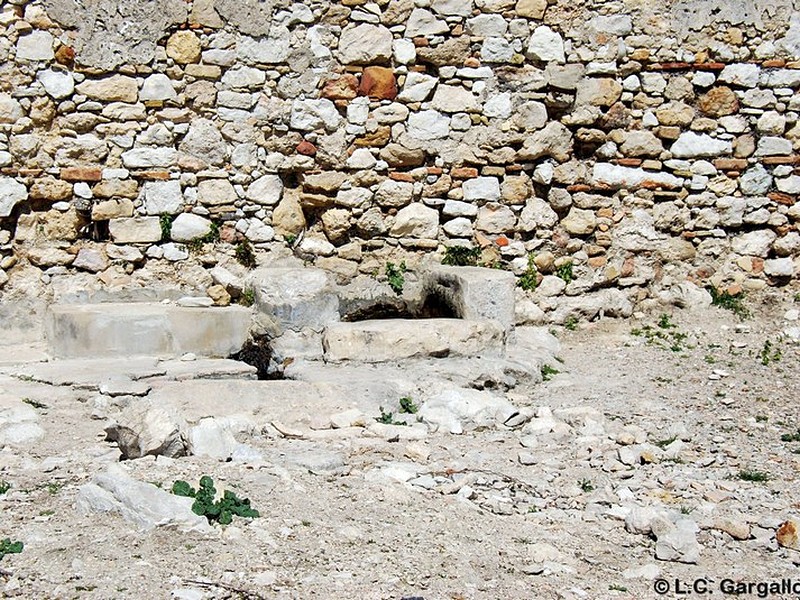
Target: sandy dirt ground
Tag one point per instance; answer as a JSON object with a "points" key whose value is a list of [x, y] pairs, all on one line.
{"points": [[694, 414]]}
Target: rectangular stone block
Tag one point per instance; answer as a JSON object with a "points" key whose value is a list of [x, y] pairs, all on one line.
{"points": [[145, 329], [398, 339], [475, 293], [136, 230]]}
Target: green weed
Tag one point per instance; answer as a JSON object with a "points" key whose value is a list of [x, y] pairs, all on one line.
{"points": [[614, 587], [395, 275], [769, 353], [664, 335], [571, 323], [586, 485], [407, 406], [9, 547], [548, 372], [247, 297], [530, 278], [723, 299], [220, 511], [665, 322], [387, 418], [791, 437], [245, 254], [755, 476], [166, 227], [4, 486], [461, 256], [565, 272], [213, 235], [665, 442]]}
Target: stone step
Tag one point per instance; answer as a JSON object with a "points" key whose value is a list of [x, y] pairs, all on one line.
{"points": [[397, 339], [145, 329], [94, 373]]}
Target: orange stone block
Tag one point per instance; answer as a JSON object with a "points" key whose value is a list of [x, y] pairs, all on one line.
{"points": [[343, 88], [378, 83], [306, 148], [81, 173], [401, 177], [464, 172]]}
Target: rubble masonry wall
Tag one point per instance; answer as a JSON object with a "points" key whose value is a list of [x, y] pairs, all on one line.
{"points": [[646, 143]]}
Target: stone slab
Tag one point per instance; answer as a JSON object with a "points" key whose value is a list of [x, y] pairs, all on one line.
{"points": [[145, 329], [398, 339], [93, 374]]}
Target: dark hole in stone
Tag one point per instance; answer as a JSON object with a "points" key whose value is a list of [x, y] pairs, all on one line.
{"points": [[257, 352], [380, 310], [436, 306]]}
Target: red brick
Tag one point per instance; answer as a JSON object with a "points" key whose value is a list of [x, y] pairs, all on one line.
{"points": [[464, 172], [81, 173], [579, 187], [155, 174], [629, 162], [708, 66], [730, 164], [401, 177], [781, 160], [781, 198]]}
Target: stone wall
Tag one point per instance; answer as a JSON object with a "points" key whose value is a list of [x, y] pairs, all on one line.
{"points": [[644, 143]]}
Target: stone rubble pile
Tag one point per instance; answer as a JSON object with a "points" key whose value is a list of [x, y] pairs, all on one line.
{"points": [[638, 147]]}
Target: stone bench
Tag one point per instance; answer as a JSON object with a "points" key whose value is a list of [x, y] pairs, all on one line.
{"points": [[145, 329]]}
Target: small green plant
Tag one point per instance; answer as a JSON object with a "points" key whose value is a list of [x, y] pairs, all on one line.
{"points": [[408, 406], [762, 418], [791, 437], [9, 547], [290, 239], [548, 372], [571, 323], [755, 476], [733, 303], [213, 236], [565, 272], [615, 587], [664, 335], [395, 274], [54, 487], [686, 510], [220, 511], [387, 418], [585, 485], [665, 442], [4, 486], [530, 278], [245, 254], [34, 403], [665, 322], [247, 297], [769, 353], [166, 226], [461, 256]]}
